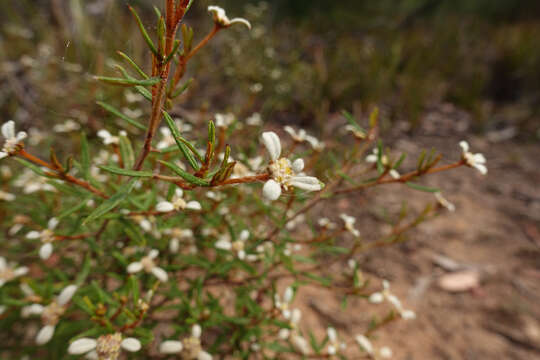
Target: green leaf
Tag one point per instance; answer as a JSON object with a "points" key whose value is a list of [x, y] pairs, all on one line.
{"points": [[192, 179], [128, 81], [211, 132], [126, 172], [173, 51], [31, 166], [117, 112], [133, 64], [351, 120], [183, 88], [83, 274], [111, 203], [144, 92], [126, 151], [143, 32], [85, 157], [185, 147], [421, 187], [380, 166], [74, 209]]}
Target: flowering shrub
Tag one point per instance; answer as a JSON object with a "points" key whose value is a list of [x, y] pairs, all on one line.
{"points": [[193, 248]]}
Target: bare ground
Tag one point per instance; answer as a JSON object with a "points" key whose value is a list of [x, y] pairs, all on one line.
{"points": [[494, 233]]}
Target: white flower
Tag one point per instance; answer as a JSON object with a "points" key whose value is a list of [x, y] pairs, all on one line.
{"points": [[283, 305], [30, 182], [177, 235], [50, 314], [301, 136], [108, 138], [221, 19], [105, 347], [300, 344], [394, 174], [12, 143], [385, 294], [372, 158], [10, 271], [254, 120], [134, 114], [224, 120], [69, 126], [191, 347], [6, 196], [178, 203], [334, 345], [349, 224], [283, 173], [147, 264], [477, 161], [132, 97], [237, 246], [326, 223], [445, 203], [385, 352], [364, 343], [46, 236]]}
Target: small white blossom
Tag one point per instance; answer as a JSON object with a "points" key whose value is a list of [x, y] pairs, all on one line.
{"points": [[444, 202], [358, 133], [133, 97], [334, 345], [283, 173], [132, 113], [10, 271], [477, 161], [178, 203], [12, 140], [385, 294], [50, 314], [105, 347], [364, 343], [237, 246], [148, 265], [108, 138], [31, 183], [221, 19], [372, 158], [47, 237], [69, 126], [349, 224], [190, 348], [385, 352], [224, 120], [301, 135], [177, 235], [4, 196], [326, 223], [254, 120]]}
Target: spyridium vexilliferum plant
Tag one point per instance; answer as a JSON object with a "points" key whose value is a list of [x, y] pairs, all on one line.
{"points": [[180, 250]]}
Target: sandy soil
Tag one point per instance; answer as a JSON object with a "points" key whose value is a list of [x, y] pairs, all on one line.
{"points": [[494, 234]]}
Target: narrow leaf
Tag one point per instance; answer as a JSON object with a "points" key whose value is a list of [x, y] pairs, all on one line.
{"points": [[126, 172], [128, 81], [145, 35], [119, 114], [185, 175], [421, 187], [182, 143], [111, 203]]}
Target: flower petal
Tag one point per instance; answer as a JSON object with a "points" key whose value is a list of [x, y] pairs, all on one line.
{"points": [[193, 205], [203, 355], [160, 274], [223, 244], [308, 183], [33, 235], [8, 129], [298, 165], [131, 344], [45, 334], [464, 145], [165, 206], [170, 347], [271, 190], [240, 21], [272, 143], [45, 251], [134, 267], [81, 346], [66, 295]]}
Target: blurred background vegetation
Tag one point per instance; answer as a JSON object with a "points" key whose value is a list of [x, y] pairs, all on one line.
{"points": [[303, 61]]}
